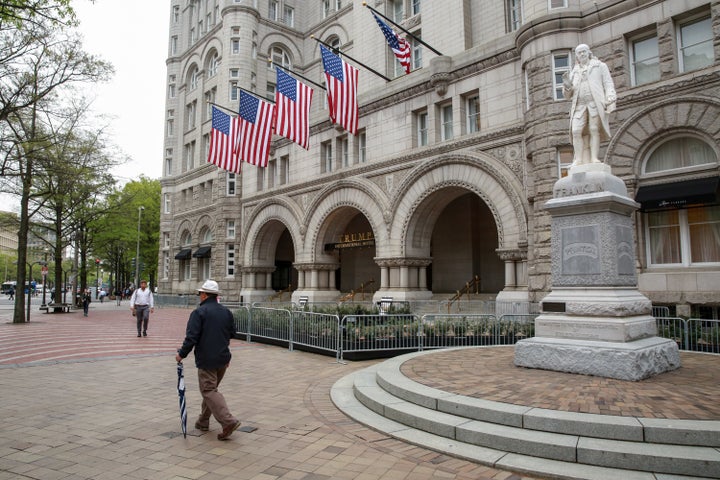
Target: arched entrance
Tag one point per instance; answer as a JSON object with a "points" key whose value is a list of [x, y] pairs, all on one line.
{"points": [[463, 245]]}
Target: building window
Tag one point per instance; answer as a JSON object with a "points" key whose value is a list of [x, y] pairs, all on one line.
{"points": [[273, 10], [684, 236], [260, 179], [284, 170], [472, 111], [396, 10], [561, 65], [166, 240], [166, 203], [415, 6], [416, 55], [168, 161], [194, 78], [279, 57], [645, 60], [680, 153], [230, 229], [270, 91], [173, 45], [166, 265], [230, 259], [513, 15], [564, 160], [696, 44], [362, 146], [234, 73], [446, 122], [176, 13], [231, 184], [191, 110], [343, 153], [213, 65], [234, 91], [271, 172], [170, 127], [325, 8], [235, 46], [289, 16], [210, 97], [326, 155], [552, 4], [421, 128]]}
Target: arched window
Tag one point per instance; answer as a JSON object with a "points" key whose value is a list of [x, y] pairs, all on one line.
{"points": [[213, 64], [680, 152], [185, 238], [279, 57], [334, 42], [193, 78]]}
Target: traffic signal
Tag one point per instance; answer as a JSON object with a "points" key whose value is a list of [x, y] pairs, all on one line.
{"points": [[97, 261]]}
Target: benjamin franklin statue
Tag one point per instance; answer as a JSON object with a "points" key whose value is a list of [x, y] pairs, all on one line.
{"points": [[593, 98]]}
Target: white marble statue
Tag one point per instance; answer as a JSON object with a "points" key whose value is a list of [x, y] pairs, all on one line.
{"points": [[593, 98]]}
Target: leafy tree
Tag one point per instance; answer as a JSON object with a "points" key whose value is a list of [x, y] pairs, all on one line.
{"points": [[19, 13], [116, 232], [50, 61]]}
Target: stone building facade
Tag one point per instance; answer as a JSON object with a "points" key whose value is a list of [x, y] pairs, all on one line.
{"points": [[447, 177]]}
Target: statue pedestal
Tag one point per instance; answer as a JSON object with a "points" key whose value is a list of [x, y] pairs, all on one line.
{"points": [[595, 321]]}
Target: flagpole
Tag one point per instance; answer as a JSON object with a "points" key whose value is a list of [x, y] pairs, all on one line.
{"points": [[351, 58], [297, 74], [256, 95], [403, 29], [224, 108]]}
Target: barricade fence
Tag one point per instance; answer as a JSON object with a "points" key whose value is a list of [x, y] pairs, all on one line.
{"points": [[367, 336]]}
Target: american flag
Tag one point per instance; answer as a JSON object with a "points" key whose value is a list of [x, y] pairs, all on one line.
{"points": [[292, 100], [399, 46], [341, 80], [256, 128], [223, 139]]}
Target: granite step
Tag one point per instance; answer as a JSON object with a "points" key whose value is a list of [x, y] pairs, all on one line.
{"points": [[538, 441]]}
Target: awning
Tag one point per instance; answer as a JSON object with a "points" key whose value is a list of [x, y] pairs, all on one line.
{"points": [[701, 191], [202, 252], [183, 254]]}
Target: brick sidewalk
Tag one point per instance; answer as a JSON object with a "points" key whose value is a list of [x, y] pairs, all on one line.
{"points": [[84, 398], [690, 392]]}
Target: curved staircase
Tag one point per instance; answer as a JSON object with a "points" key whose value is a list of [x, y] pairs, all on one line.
{"points": [[546, 443]]}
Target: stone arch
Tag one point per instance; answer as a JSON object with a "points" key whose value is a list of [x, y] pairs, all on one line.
{"points": [[185, 226], [284, 42], [641, 132], [361, 195], [265, 225], [415, 215], [204, 223]]}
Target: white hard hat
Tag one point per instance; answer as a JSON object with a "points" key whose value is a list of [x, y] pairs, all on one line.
{"points": [[210, 286]]}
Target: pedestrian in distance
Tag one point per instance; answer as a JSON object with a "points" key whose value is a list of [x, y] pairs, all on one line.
{"points": [[142, 305], [86, 299], [11, 293], [209, 330]]}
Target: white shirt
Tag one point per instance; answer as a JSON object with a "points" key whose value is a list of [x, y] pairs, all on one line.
{"points": [[142, 297]]}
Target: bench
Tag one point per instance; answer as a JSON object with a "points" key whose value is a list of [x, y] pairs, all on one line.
{"points": [[57, 307]]}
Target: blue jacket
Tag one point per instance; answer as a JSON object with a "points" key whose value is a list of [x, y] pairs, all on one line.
{"points": [[209, 330]]}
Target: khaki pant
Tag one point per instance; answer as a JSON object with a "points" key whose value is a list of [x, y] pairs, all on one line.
{"points": [[213, 401]]}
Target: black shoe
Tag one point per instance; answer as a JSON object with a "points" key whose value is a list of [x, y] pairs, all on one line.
{"points": [[139, 335], [144, 334]]}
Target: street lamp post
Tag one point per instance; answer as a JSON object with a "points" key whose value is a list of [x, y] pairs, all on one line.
{"points": [[137, 251]]}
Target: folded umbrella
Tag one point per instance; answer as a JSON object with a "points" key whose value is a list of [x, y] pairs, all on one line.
{"points": [[181, 397]]}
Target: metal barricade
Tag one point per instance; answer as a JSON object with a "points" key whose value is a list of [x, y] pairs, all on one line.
{"points": [[703, 335], [674, 328], [271, 324], [316, 330], [392, 332]]}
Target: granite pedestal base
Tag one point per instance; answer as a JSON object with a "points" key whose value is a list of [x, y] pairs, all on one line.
{"points": [[631, 361]]}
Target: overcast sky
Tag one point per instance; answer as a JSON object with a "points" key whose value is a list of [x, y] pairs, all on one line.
{"points": [[133, 36]]}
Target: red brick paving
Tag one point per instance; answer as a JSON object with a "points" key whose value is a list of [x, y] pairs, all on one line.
{"points": [[691, 392]]}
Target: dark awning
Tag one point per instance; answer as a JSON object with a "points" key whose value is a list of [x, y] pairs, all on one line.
{"points": [[202, 252], [701, 191], [183, 254]]}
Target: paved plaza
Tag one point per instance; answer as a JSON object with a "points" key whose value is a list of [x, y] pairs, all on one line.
{"points": [[84, 398]]}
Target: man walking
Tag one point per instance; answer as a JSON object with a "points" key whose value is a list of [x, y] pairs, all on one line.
{"points": [[209, 330], [142, 305]]}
